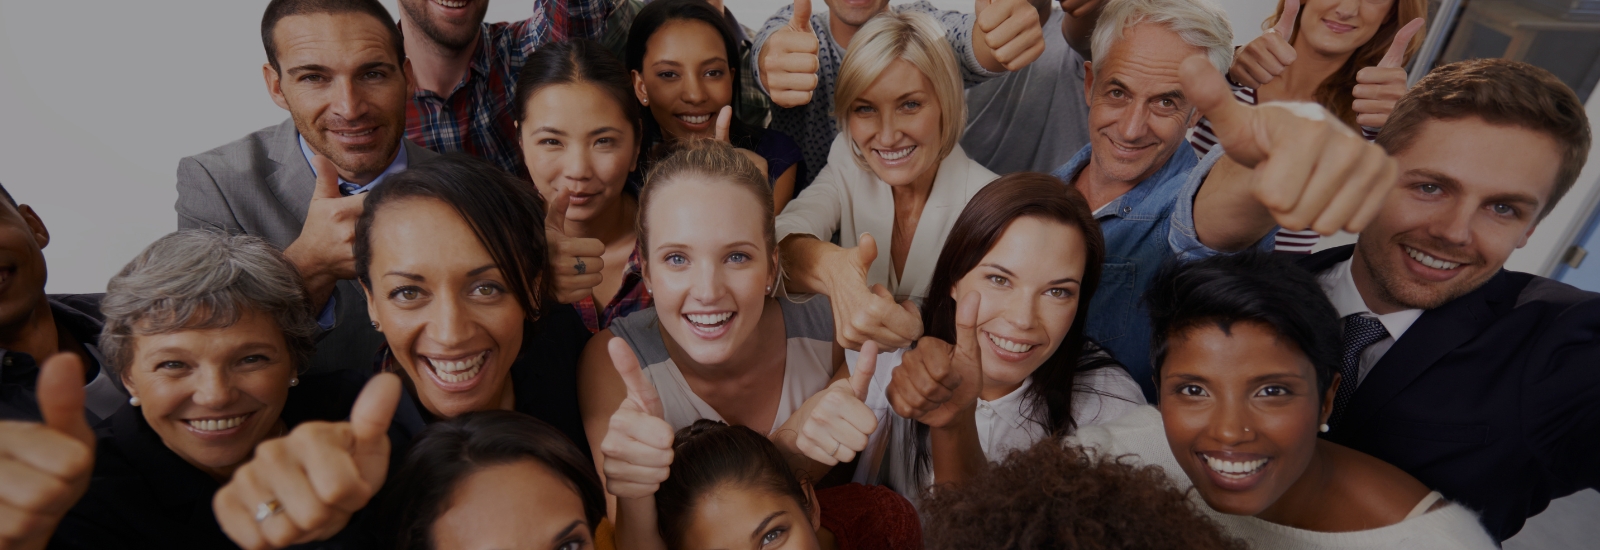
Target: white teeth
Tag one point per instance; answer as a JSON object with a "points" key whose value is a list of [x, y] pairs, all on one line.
{"points": [[357, 134], [709, 319], [458, 371], [1009, 345], [1234, 468], [896, 154], [695, 119], [451, 3], [1430, 261], [217, 424]]}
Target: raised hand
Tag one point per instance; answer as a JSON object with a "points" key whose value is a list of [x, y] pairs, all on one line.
{"points": [[1309, 169], [862, 313], [45, 468], [725, 121], [324, 253], [789, 60], [1264, 58], [837, 421], [303, 487], [1007, 34], [1379, 87], [935, 382], [574, 260], [1080, 8], [638, 445]]}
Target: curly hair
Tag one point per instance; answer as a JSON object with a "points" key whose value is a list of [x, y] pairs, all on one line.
{"points": [[1057, 496]]}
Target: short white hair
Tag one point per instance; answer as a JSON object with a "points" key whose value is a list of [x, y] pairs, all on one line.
{"points": [[1200, 23]]}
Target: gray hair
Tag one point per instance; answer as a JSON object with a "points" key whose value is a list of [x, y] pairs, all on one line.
{"points": [[203, 280], [1200, 23]]}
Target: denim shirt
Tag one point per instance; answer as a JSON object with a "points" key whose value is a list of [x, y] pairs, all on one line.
{"points": [[1151, 224]]}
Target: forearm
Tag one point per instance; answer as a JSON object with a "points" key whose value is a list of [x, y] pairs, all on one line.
{"points": [[957, 452], [803, 264], [636, 524], [1227, 216], [1079, 31], [319, 283]]}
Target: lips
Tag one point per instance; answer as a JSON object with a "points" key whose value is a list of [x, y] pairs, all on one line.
{"points": [[1337, 27], [1430, 261], [1234, 472], [694, 119], [452, 4], [456, 374], [216, 424], [1008, 349], [354, 136], [895, 157], [709, 325]]}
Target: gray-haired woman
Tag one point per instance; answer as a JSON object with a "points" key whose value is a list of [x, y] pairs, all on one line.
{"points": [[208, 332]]}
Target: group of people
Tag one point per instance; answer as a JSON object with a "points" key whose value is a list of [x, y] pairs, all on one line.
{"points": [[631, 275]]}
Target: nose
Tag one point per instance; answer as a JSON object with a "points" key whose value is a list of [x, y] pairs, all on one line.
{"points": [[707, 287], [1022, 310], [889, 132], [694, 91], [213, 388], [1454, 226], [451, 323], [576, 165], [1135, 123], [347, 102], [1230, 423], [1346, 9]]}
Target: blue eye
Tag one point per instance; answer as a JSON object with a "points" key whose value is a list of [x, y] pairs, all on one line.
{"points": [[676, 259], [772, 536], [738, 257]]}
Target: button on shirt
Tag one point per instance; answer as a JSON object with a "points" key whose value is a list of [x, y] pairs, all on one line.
{"points": [[1340, 286]]}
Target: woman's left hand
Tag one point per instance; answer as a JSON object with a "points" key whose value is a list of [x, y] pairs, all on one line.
{"points": [[725, 121], [1379, 87]]}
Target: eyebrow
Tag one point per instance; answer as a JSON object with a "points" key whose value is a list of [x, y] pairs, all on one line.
{"points": [[481, 269], [1275, 376], [684, 246], [568, 531], [1171, 94], [1009, 273], [415, 277], [312, 67], [763, 526]]}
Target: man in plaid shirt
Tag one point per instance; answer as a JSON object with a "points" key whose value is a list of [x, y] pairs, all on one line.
{"points": [[466, 70]]}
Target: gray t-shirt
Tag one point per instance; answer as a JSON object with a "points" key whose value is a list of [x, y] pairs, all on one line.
{"points": [[1034, 119]]}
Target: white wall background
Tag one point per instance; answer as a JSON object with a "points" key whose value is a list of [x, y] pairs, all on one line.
{"points": [[99, 100]]}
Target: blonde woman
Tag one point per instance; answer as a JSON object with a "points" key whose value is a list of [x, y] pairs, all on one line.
{"points": [[895, 181]]}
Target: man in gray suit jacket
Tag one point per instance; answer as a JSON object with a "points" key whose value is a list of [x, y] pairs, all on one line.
{"points": [[339, 68]]}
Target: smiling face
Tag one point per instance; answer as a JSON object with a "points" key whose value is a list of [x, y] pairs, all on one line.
{"points": [[449, 23], [212, 394], [1470, 194], [685, 78], [1137, 112], [1029, 284], [576, 138], [444, 307], [1338, 27], [739, 517], [1241, 412], [708, 280], [895, 125], [345, 87], [522, 505], [22, 266]]}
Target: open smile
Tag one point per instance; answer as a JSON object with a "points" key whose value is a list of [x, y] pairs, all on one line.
{"points": [[694, 120], [456, 374], [1234, 471], [895, 157], [216, 427], [709, 325], [1008, 349]]}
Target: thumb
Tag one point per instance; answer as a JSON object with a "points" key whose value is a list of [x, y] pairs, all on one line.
{"points": [[555, 213], [866, 251], [967, 327], [1231, 120], [327, 178], [802, 16], [861, 379], [640, 391], [60, 391], [724, 119], [1396, 57], [374, 408], [1287, 21]]}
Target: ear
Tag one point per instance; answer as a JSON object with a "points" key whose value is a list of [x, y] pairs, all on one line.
{"points": [[372, 307], [816, 508], [274, 85], [1327, 398], [1088, 82], [35, 225], [411, 77], [638, 89]]}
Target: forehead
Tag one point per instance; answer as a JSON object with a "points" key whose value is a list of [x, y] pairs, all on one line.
{"points": [[682, 39], [898, 79], [423, 236], [575, 106], [1035, 245], [1146, 58], [1247, 350], [1486, 159], [251, 328], [332, 40], [698, 211], [727, 517], [508, 506]]}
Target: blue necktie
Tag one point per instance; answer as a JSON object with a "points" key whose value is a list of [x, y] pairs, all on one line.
{"points": [[1360, 332]]}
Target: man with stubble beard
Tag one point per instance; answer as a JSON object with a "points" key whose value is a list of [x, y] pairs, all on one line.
{"points": [[339, 68]]}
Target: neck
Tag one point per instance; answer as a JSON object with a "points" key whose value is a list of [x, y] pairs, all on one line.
{"points": [[915, 194], [1300, 81], [609, 226], [1100, 188], [36, 334], [1302, 503], [367, 177], [437, 68], [1371, 293], [843, 32]]}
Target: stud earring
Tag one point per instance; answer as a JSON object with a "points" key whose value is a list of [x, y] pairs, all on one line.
{"points": [[1247, 430], [769, 289], [133, 401], [294, 381], [375, 326], [1323, 427]]}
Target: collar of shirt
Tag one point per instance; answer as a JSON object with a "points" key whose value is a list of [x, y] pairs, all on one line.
{"points": [[1009, 406], [398, 164], [23, 368], [1340, 286], [1128, 205]]}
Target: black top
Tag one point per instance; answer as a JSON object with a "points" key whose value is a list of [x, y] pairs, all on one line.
{"points": [[1492, 399], [79, 316], [143, 495]]}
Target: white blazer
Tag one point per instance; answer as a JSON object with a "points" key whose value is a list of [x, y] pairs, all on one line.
{"points": [[852, 200]]}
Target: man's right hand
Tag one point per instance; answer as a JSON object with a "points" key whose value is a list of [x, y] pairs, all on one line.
{"points": [[568, 253], [638, 444], [862, 313], [1264, 58], [789, 60], [45, 468], [323, 253]]}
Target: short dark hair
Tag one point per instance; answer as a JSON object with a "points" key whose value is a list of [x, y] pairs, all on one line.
{"points": [[448, 451], [1501, 92], [279, 9], [1249, 287], [505, 213], [710, 454], [577, 61], [1055, 496]]}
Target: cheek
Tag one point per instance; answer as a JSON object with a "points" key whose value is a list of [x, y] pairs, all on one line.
{"points": [[862, 130], [925, 126]]}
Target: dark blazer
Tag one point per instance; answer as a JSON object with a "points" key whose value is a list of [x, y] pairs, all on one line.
{"points": [[261, 185], [1492, 399]]}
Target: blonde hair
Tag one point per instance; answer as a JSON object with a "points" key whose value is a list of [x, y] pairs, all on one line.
{"points": [[918, 39], [712, 161], [1199, 23]]}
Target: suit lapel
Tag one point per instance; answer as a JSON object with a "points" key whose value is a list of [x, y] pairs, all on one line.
{"points": [[293, 182]]}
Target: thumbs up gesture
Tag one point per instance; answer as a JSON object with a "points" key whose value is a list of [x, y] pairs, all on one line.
{"points": [[1264, 58], [576, 261], [303, 487], [1379, 87], [324, 253], [860, 312], [935, 382], [45, 468], [837, 420], [724, 122], [789, 62], [1309, 169], [638, 445], [1007, 34]]}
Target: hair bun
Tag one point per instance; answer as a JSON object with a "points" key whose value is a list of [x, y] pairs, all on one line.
{"points": [[696, 430]]}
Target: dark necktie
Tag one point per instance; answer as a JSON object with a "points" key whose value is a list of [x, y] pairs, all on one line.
{"points": [[348, 189], [1360, 332]]}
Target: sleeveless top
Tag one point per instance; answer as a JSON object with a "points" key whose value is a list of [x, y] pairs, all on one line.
{"points": [[807, 369]]}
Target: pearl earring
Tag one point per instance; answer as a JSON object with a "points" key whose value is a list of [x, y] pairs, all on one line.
{"points": [[294, 381], [769, 289], [1324, 427], [133, 401], [374, 325]]}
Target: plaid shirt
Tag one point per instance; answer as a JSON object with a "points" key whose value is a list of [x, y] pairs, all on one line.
{"points": [[631, 296], [475, 117]]}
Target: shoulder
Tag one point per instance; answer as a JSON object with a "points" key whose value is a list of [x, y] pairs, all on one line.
{"points": [[1103, 395], [243, 155], [811, 318], [1374, 492], [974, 175]]}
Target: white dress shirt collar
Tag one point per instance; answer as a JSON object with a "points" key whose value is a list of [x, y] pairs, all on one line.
{"points": [[1340, 286]]}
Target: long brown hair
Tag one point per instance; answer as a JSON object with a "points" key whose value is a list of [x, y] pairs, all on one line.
{"points": [[1337, 91], [980, 226]]}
